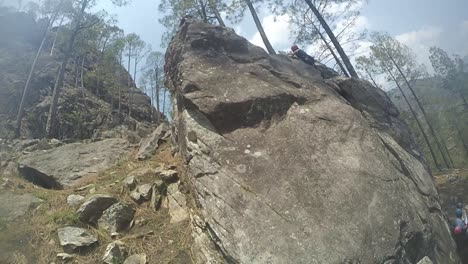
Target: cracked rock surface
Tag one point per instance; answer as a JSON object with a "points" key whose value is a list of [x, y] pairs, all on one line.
{"points": [[289, 167]]}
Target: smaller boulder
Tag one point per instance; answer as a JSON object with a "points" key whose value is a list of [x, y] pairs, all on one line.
{"points": [[91, 210], [115, 253], [159, 190], [74, 239], [117, 218], [150, 144], [74, 199], [130, 183], [169, 176], [425, 260], [65, 257], [142, 193], [136, 259]]}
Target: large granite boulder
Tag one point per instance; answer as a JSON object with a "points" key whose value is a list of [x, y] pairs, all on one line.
{"points": [[71, 164], [289, 167]]}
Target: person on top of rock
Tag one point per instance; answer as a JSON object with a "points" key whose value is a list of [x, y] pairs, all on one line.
{"points": [[302, 55]]}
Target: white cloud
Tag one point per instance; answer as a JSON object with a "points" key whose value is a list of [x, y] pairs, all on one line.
{"points": [[420, 41], [277, 31]]}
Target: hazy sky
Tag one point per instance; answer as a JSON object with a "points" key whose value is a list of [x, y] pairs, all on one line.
{"points": [[418, 23]]}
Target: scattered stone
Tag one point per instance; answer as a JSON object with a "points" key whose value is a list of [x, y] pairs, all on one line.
{"points": [[150, 144], [142, 193], [90, 211], [159, 190], [55, 143], [136, 196], [65, 257], [84, 188], [136, 259], [75, 200], [75, 239], [115, 253], [117, 218], [177, 204], [425, 260], [192, 136], [130, 183], [92, 190], [169, 176]]}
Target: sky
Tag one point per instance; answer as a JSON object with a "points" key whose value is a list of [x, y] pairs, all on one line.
{"points": [[419, 24]]}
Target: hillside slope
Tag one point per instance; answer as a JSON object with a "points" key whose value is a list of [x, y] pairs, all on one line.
{"points": [[447, 114], [82, 110]]}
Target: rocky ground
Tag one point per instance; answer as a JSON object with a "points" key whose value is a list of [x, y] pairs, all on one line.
{"points": [[453, 188], [132, 209]]}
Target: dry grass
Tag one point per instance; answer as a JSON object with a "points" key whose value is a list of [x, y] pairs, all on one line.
{"points": [[153, 234]]}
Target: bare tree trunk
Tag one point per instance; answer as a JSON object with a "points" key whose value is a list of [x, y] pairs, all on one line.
{"points": [[426, 139], [333, 39], [81, 76], [460, 135], [260, 28], [202, 11], [152, 102], [214, 9], [51, 118], [431, 129], [76, 68], [120, 86], [56, 36], [372, 79], [129, 82], [19, 117], [164, 103], [156, 75], [338, 61]]}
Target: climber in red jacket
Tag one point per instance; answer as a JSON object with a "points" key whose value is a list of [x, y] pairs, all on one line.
{"points": [[302, 55]]}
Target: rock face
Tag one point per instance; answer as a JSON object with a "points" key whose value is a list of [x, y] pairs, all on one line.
{"points": [[70, 164], [75, 239], [289, 167]]}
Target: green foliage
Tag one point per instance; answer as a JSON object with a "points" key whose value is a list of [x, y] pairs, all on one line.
{"points": [[64, 217]]}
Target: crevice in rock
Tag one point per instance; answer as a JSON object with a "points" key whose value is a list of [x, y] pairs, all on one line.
{"points": [[228, 116], [217, 243], [404, 168], [39, 178]]}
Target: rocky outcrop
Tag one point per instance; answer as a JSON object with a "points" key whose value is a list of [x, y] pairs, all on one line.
{"points": [[290, 167], [68, 165]]}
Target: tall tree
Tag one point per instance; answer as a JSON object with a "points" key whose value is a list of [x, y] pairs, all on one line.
{"points": [[132, 42], [236, 12], [402, 63], [333, 39], [53, 15], [154, 69], [174, 10], [375, 65], [79, 23], [449, 70]]}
